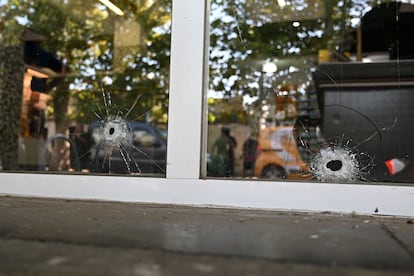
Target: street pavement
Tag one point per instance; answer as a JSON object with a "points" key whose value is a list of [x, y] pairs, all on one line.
{"points": [[40, 236]]}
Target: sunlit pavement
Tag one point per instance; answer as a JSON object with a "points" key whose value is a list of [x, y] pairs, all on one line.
{"points": [[63, 237]]}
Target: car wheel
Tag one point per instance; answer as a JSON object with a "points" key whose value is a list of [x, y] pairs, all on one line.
{"points": [[273, 172]]}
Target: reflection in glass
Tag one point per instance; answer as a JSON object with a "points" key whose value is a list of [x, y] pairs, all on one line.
{"points": [[313, 90], [81, 79]]}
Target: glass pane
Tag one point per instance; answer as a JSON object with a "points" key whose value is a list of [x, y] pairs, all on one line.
{"points": [[313, 90], [84, 86]]}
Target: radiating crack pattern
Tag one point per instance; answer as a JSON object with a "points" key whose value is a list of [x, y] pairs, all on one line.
{"points": [[335, 159], [114, 140], [338, 164]]}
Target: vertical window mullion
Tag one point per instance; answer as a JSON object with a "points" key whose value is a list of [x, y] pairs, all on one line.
{"points": [[186, 89]]}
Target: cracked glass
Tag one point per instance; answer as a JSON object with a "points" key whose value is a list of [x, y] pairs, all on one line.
{"points": [[84, 86], [311, 90]]}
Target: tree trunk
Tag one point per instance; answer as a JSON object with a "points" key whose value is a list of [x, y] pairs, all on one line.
{"points": [[11, 86], [60, 159]]}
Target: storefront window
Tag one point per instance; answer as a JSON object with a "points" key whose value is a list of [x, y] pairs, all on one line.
{"points": [[84, 86], [311, 90]]}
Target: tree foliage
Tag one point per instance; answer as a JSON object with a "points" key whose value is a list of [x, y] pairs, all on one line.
{"points": [[245, 34], [82, 34]]}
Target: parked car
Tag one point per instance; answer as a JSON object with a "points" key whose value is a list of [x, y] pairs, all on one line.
{"points": [[277, 153], [121, 146]]}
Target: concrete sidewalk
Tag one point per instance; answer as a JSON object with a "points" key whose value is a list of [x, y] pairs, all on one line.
{"points": [[64, 237]]}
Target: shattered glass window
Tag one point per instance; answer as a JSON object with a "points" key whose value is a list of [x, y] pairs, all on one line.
{"points": [[311, 90], [84, 86]]}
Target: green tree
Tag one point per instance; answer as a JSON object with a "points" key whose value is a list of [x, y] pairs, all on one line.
{"points": [[81, 34], [84, 36], [245, 34]]}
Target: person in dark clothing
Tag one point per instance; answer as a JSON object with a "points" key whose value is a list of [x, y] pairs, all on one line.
{"points": [[82, 141], [249, 156], [231, 148], [223, 154]]}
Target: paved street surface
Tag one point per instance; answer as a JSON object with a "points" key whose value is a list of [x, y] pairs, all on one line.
{"points": [[66, 237]]}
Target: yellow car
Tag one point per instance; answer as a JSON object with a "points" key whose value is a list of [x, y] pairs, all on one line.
{"points": [[277, 154]]}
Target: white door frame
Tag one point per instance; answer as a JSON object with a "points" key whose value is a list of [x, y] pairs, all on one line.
{"points": [[183, 184]]}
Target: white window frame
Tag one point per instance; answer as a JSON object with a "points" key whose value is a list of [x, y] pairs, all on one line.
{"points": [[183, 183]]}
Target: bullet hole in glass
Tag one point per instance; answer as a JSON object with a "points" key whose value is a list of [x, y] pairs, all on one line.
{"points": [[334, 165]]}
